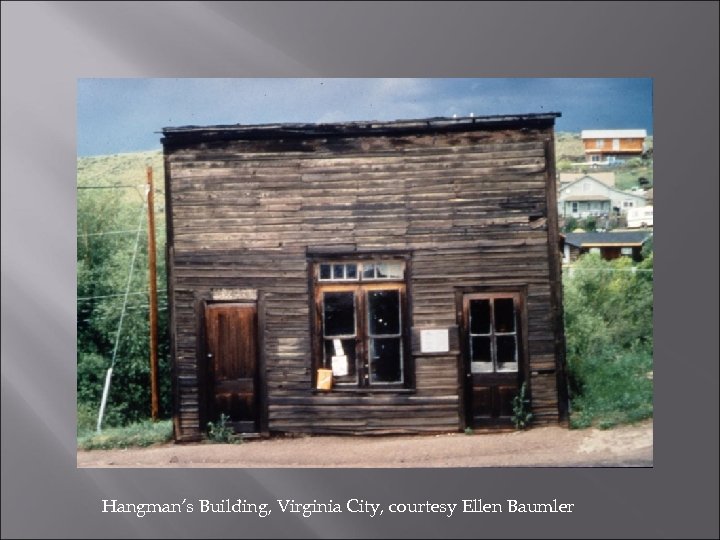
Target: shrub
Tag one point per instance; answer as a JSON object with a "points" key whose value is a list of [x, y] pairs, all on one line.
{"points": [[86, 418], [521, 409], [571, 223], [615, 390], [609, 341], [222, 431]]}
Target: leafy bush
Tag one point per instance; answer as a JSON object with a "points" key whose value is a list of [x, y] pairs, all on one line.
{"points": [[616, 389], [571, 223], [564, 165], [609, 340], [222, 432], [86, 419], [139, 434], [521, 409]]}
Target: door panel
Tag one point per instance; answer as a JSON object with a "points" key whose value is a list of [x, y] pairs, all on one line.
{"points": [[231, 331], [505, 394], [493, 356]]}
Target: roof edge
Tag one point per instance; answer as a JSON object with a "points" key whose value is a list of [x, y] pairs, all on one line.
{"points": [[362, 127]]}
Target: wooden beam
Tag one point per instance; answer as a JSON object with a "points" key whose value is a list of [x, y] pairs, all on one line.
{"points": [[152, 276]]}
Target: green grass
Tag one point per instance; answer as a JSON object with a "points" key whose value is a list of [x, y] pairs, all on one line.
{"points": [[141, 434], [121, 170], [627, 178], [569, 146]]}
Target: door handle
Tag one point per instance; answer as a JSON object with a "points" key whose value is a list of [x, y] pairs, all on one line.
{"points": [[209, 355]]}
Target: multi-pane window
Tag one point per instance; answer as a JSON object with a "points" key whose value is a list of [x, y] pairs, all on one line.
{"points": [[361, 322], [361, 271], [493, 333]]}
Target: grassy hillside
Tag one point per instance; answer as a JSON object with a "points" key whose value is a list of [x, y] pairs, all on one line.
{"points": [[568, 146], [121, 170]]}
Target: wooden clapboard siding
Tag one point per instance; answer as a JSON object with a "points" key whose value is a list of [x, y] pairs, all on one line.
{"points": [[469, 202]]}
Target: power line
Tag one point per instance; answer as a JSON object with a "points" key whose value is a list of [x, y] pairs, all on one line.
{"points": [[163, 308], [106, 388], [138, 306], [631, 270], [117, 186], [107, 232], [116, 295]]}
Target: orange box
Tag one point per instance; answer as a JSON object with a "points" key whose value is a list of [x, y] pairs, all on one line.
{"points": [[324, 379]]}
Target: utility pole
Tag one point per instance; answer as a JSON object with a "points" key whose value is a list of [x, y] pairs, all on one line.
{"points": [[152, 271]]}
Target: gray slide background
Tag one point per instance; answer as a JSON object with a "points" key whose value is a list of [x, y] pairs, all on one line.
{"points": [[47, 46]]}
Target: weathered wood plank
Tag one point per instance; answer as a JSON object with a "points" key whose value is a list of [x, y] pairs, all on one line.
{"points": [[470, 204]]}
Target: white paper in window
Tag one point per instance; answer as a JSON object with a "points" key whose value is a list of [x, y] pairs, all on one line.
{"points": [[339, 366]]}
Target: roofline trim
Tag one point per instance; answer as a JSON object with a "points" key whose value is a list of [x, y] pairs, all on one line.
{"points": [[612, 244], [361, 126]]}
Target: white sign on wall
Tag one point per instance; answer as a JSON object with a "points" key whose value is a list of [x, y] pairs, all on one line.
{"points": [[434, 341], [234, 294]]}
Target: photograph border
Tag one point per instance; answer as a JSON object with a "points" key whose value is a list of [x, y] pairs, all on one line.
{"points": [[46, 47]]}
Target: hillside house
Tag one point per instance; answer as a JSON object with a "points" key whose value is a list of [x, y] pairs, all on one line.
{"points": [[364, 277], [608, 146], [587, 196], [609, 245]]}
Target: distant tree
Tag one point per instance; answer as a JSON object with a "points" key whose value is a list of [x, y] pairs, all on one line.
{"points": [[571, 223], [590, 224]]}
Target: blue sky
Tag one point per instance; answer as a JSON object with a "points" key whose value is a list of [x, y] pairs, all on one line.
{"points": [[125, 115]]}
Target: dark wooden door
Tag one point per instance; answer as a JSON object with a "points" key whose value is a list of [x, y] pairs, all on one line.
{"points": [[231, 331], [493, 357]]}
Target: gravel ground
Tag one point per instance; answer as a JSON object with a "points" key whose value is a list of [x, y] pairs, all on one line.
{"points": [[553, 446]]}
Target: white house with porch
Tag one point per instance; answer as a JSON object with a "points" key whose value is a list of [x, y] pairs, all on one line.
{"points": [[587, 196]]}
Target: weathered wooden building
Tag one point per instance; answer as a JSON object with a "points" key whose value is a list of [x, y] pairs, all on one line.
{"points": [[364, 277]]}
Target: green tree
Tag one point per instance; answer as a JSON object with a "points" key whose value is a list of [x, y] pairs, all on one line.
{"points": [[108, 221], [609, 339], [571, 223]]}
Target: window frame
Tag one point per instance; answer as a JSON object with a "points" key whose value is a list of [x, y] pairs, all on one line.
{"points": [[494, 334], [360, 288]]}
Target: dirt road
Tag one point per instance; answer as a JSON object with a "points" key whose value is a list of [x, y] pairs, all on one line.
{"points": [[545, 446]]}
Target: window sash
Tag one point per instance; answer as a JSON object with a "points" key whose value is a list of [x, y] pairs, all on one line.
{"points": [[364, 368], [493, 336]]}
